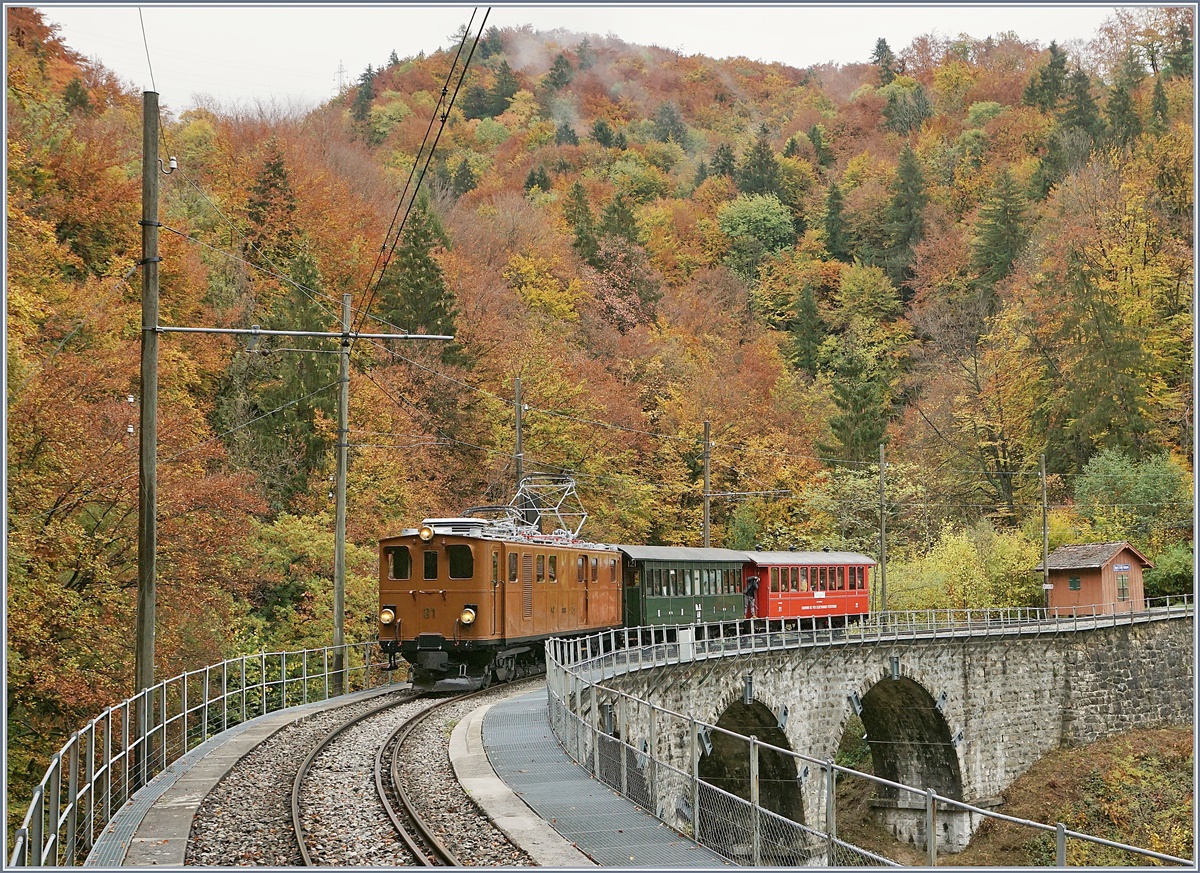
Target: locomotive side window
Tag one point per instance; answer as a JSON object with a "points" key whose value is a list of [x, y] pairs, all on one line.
{"points": [[613, 576], [595, 569], [581, 569], [554, 568], [461, 560], [512, 566], [495, 567], [541, 569], [399, 562], [431, 562]]}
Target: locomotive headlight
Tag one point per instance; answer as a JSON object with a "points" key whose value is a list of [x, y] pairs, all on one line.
{"points": [[387, 615], [425, 533], [467, 616]]}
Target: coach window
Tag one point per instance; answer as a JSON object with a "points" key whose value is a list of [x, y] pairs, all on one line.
{"points": [[775, 579], [821, 578], [841, 571], [862, 578], [795, 573], [804, 578], [512, 566], [399, 562], [461, 560], [554, 568], [431, 562]]}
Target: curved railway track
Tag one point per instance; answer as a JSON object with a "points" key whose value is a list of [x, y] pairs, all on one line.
{"points": [[417, 843]]}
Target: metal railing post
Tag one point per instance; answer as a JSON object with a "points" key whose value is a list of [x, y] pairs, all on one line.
{"points": [[184, 706], [34, 852], [755, 818], [622, 730], [72, 797], [1060, 850], [931, 827], [89, 774], [830, 812], [652, 760], [694, 735], [596, 730], [204, 733], [224, 695]]}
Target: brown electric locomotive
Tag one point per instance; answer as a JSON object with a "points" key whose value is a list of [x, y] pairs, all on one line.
{"points": [[471, 600]]}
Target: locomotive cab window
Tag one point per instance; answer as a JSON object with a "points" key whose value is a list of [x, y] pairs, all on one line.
{"points": [[399, 562], [512, 566], [595, 569], [431, 564], [541, 569], [461, 560], [554, 568], [495, 567]]}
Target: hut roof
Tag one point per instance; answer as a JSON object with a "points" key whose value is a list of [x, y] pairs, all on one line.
{"points": [[1085, 556]]}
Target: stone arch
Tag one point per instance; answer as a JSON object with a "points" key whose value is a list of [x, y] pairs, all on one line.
{"points": [[910, 738], [727, 767]]}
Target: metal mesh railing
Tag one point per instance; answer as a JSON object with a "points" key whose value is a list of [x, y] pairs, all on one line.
{"points": [[103, 765], [636, 747]]}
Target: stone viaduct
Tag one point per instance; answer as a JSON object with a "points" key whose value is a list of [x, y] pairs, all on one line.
{"points": [[961, 715]]}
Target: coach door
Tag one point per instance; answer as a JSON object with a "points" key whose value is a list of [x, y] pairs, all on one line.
{"points": [[632, 591]]}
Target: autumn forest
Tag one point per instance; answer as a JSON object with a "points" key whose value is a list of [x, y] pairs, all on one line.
{"points": [[975, 252]]}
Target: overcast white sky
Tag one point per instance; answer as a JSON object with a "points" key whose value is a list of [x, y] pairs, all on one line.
{"points": [[290, 55]]}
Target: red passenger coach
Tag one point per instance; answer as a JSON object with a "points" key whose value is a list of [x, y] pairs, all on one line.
{"points": [[831, 587]]}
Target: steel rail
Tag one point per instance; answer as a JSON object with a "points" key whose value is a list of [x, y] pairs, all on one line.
{"points": [[306, 765]]}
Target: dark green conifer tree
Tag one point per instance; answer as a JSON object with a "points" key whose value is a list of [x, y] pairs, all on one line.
{"points": [[539, 178], [904, 217], [618, 220], [565, 135], [584, 56], [504, 89], [883, 58], [1160, 110], [578, 213], [723, 163], [561, 73], [464, 179], [668, 124], [860, 423], [1000, 235], [837, 240], [821, 152], [758, 171], [1080, 110], [806, 332], [491, 44], [412, 291], [602, 133], [360, 110], [271, 209]]}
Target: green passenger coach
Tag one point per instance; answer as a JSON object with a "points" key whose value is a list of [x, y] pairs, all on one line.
{"points": [[670, 585]]}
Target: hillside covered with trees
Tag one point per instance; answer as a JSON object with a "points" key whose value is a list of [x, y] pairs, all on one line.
{"points": [[972, 251]]}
